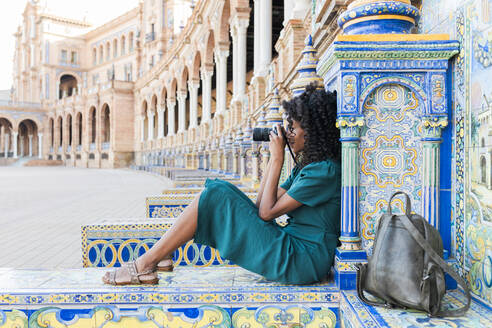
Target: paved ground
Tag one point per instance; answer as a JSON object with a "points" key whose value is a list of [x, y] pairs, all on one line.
{"points": [[42, 208]]}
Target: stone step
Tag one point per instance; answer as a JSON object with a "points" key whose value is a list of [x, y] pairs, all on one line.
{"points": [[354, 313], [196, 190], [171, 205], [227, 297], [108, 243]]}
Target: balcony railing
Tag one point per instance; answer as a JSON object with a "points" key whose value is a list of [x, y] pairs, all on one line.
{"points": [[69, 149], [105, 146], [78, 148], [19, 104], [92, 147], [60, 149]]}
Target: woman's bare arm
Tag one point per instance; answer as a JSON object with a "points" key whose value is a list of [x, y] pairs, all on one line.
{"points": [[274, 204]]}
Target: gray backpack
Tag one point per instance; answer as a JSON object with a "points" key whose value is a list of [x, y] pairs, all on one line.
{"points": [[406, 268]]}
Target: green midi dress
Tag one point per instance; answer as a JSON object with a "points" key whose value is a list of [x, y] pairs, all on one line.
{"points": [[301, 252]]}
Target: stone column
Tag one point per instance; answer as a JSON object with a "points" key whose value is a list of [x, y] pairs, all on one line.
{"points": [[30, 145], [21, 146], [240, 27], [193, 88], [6, 144], [431, 167], [206, 94], [257, 34], [150, 116], [14, 143], [40, 145], [265, 36], [181, 111], [160, 122], [350, 138], [170, 116], [221, 94], [142, 127]]}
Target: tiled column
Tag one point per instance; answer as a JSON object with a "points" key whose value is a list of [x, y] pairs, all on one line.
{"points": [[170, 116], [350, 138], [14, 143], [431, 167], [221, 94], [40, 145], [193, 88], [150, 116], [206, 94], [181, 110]]}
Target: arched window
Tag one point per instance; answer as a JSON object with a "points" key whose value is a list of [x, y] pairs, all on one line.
{"points": [[115, 48], [482, 144], [130, 42], [94, 56], [101, 54], [108, 51], [123, 46]]}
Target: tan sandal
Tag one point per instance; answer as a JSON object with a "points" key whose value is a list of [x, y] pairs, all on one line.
{"points": [[165, 264], [135, 277]]}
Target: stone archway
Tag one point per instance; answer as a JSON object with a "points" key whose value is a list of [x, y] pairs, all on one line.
{"points": [[28, 139], [5, 138]]}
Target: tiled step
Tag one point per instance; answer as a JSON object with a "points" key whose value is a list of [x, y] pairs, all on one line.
{"points": [[354, 313], [196, 190], [171, 205], [186, 298], [109, 243]]}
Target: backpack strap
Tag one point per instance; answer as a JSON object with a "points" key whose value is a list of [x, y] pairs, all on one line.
{"points": [[439, 261]]}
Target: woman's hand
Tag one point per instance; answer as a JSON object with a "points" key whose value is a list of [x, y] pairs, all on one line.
{"points": [[277, 144]]}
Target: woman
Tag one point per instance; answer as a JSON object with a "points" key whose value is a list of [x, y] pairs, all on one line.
{"points": [[222, 217]]}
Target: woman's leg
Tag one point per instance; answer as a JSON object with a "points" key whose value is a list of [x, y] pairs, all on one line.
{"points": [[181, 231]]}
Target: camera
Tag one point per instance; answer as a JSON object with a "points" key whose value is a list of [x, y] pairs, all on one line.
{"points": [[263, 134]]}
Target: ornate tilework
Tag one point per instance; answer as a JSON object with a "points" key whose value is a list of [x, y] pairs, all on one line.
{"points": [[391, 152]]}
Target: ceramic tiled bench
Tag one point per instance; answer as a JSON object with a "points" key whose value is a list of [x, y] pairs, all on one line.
{"points": [[108, 243], [171, 205], [186, 298], [201, 183]]}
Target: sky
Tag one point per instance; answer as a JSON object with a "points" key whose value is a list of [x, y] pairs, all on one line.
{"points": [[97, 12]]}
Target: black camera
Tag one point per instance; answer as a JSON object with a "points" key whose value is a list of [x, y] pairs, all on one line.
{"points": [[263, 134]]}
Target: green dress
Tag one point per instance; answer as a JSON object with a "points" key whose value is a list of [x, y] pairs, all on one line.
{"points": [[300, 253]]}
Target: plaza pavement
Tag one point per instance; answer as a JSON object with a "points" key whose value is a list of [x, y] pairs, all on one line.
{"points": [[42, 209]]}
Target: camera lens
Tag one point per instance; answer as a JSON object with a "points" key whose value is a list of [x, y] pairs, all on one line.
{"points": [[262, 134]]}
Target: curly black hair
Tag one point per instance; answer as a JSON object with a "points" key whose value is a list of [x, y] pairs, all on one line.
{"points": [[316, 111]]}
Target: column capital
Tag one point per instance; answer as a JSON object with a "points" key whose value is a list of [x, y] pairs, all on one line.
{"points": [[193, 85], [40, 134], [240, 23], [221, 55], [206, 73], [150, 114], [181, 95], [171, 102], [15, 134]]}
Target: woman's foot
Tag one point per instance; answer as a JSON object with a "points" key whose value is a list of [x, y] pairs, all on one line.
{"points": [[166, 264], [129, 274]]}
